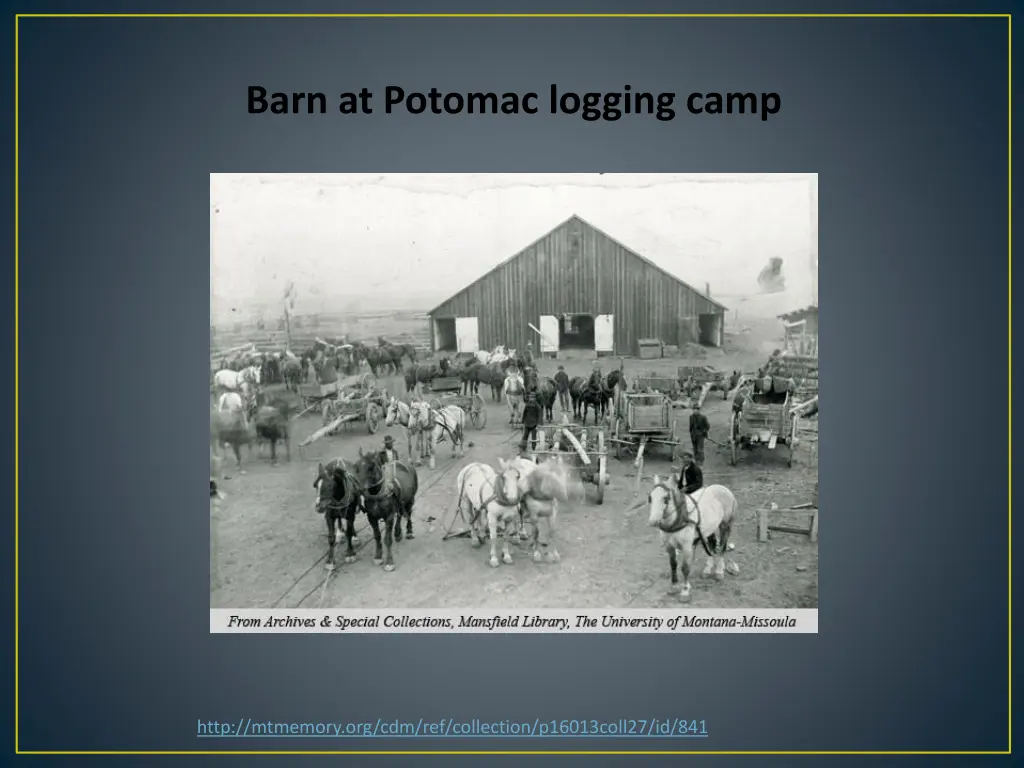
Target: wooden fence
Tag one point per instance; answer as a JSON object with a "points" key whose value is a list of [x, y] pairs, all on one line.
{"points": [[397, 327]]}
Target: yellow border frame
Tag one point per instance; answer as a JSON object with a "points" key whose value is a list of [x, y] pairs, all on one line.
{"points": [[1008, 16]]}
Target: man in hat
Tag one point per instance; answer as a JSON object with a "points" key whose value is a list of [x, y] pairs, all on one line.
{"points": [[562, 385], [388, 454], [691, 478], [528, 357], [699, 429], [531, 418]]}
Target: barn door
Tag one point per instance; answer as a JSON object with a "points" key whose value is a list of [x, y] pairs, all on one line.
{"points": [[467, 334], [548, 333], [604, 333]]}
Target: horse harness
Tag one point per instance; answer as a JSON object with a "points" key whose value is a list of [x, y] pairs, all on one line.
{"points": [[498, 494], [682, 519], [346, 501]]}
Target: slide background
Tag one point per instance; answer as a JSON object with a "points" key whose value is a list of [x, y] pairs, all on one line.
{"points": [[121, 123]]}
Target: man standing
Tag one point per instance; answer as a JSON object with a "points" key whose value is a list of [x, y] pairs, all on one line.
{"points": [[389, 453], [529, 354], [562, 385], [531, 418], [691, 478], [699, 429]]}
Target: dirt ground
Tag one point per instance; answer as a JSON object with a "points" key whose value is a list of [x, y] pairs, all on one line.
{"points": [[268, 544]]}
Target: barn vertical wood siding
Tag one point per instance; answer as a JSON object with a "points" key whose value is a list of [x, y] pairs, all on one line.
{"points": [[575, 268]]}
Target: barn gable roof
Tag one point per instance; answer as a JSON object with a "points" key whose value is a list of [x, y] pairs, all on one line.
{"points": [[587, 224]]}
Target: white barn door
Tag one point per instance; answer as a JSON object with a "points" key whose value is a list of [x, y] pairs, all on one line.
{"points": [[467, 334], [604, 333], [548, 333]]}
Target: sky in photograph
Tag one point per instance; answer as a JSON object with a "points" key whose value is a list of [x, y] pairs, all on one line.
{"points": [[375, 242]]}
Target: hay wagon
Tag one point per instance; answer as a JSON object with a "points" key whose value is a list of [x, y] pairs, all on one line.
{"points": [[764, 419], [449, 391], [643, 419], [587, 456]]}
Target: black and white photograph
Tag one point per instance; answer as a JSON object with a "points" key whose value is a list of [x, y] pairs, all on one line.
{"points": [[513, 392]]}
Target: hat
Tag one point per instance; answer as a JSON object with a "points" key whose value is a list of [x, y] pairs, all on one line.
{"points": [[389, 440], [687, 455]]}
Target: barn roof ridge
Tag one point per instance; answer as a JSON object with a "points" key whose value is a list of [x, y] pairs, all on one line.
{"points": [[601, 232]]}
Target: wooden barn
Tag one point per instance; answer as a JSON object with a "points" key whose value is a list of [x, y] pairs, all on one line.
{"points": [[584, 293]]}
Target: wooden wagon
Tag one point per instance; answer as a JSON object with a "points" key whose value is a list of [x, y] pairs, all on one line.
{"points": [[313, 395], [449, 391], [764, 419], [585, 453], [643, 419], [350, 405], [703, 379], [652, 382]]}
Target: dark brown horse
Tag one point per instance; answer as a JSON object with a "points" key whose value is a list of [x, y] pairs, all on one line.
{"points": [[420, 373], [547, 393], [271, 422], [388, 493], [337, 499]]}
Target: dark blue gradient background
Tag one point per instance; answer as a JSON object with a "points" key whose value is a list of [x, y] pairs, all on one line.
{"points": [[122, 121]]}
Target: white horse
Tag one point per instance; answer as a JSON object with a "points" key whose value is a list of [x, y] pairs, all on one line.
{"points": [[449, 421], [705, 516], [232, 403], [512, 390], [227, 380], [399, 412], [541, 487], [486, 496]]}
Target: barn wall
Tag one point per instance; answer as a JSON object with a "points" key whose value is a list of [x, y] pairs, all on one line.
{"points": [[577, 269]]}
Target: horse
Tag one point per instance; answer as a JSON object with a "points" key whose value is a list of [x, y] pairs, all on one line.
{"points": [[337, 498], [230, 424], [547, 393], [497, 355], [226, 379], [401, 413], [403, 350], [485, 496], [588, 395], [493, 375], [418, 373], [541, 487], [470, 376], [530, 378], [437, 423], [272, 424], [291, 372], [513, 391], [389, 492], [706, 516], [577, 384]]}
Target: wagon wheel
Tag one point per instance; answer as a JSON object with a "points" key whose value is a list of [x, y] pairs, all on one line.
{"points": [[602, 467], [372, 417], [617, 434], [675, 440], [478, 412], [368, 381], [732, 438]]}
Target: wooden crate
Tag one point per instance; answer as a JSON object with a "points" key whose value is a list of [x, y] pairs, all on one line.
{"points": [[647, 418], [649, 349]]}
